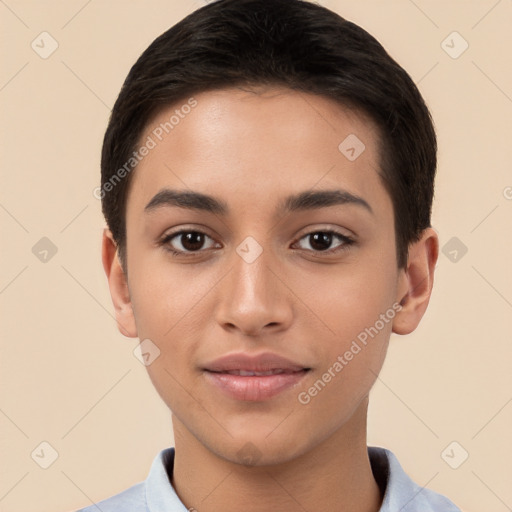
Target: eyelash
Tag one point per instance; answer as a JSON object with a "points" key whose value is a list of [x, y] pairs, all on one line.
{"points": [[347, 242]]}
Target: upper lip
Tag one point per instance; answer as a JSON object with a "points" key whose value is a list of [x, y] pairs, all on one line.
{"points": [[253, 363]]}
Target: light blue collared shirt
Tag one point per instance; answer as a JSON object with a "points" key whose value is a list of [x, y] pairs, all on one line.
{"points": [[156, 493]]}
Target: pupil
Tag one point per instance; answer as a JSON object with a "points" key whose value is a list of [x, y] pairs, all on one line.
{"points": [[192, 241], [321, 241]]}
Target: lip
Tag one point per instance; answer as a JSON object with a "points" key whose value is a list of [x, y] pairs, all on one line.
{"points": [[263, 362], [286, 374]]}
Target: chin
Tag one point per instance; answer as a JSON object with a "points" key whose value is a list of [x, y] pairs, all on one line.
{"points": [[254, 450]]}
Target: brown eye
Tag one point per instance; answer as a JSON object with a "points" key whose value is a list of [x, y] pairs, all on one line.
{"points": [[321, 241], [187, 242], [192, 241]]}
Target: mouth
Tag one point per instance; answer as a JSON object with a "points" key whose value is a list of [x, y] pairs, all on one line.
{"points": [[254, 378], [249, 373], [254, 363]]}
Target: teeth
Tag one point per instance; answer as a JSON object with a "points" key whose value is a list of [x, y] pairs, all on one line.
{"points": [[244, 373]]}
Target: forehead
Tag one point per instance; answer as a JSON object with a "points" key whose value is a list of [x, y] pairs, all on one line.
{"points": [[249, 142]]}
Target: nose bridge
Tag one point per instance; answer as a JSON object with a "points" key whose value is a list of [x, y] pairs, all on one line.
{"points": [[252, 297], [250, 281], [251, 275]]}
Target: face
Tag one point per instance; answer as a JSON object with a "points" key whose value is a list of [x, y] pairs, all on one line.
{"points": [[256, 242]]}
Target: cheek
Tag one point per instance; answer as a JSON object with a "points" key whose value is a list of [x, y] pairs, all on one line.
{"points": [[172, 305], [350, 366], [354, 311], [346, 300], [166, 296]]}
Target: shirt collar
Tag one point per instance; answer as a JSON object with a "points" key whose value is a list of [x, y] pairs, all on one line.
{"points": [[401, 493], [160, 494]]}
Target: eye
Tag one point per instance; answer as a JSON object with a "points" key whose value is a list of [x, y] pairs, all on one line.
{"points": [[186, 242], [191, 242], [321, 241]]}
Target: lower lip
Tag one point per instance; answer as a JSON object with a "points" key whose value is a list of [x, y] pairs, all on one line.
{"points": [[254, 388]]}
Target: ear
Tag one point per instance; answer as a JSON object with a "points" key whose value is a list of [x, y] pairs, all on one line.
{"points": [[416, 281], [118, 284]]}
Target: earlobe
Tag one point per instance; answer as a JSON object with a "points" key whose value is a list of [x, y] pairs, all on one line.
{"points": [[416, 281], [118, 286]]}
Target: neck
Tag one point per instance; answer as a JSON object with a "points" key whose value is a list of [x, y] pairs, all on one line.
{"points": [[334, 475]]}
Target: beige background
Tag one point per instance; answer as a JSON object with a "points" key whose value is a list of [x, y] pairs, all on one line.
{"points": [[69, 378]]}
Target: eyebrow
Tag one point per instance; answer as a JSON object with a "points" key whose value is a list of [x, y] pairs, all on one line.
{"points": [[307, 200]]}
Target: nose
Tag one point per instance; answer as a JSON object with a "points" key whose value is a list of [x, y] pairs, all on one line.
{"points": [[253, 298]]}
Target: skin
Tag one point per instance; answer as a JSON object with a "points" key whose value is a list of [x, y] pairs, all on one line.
{"points": [[251, 149]]}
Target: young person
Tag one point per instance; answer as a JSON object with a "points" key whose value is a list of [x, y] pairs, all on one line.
{"points": [[267, 181]]}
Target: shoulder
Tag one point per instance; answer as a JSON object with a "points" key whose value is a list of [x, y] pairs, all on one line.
{"points": [[400, 491], [132, 499]]}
